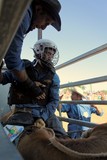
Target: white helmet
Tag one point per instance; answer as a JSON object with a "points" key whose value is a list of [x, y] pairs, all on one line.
{"points": [[41, 45]]}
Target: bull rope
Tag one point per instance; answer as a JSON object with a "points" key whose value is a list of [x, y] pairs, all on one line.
{"points": [[76, 154]]}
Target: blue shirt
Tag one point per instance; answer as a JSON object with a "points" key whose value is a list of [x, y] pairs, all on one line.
{"points": [[79, 112], [53, 99], [12, 58]]}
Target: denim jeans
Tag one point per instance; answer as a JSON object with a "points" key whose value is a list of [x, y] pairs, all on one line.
{"points": [[54, 123]]}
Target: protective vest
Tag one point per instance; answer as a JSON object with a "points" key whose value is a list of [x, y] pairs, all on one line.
{"points": [[18, 96]]}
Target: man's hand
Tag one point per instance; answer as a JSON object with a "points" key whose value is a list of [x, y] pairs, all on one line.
{"points": [[102, 112], [43, 95]]}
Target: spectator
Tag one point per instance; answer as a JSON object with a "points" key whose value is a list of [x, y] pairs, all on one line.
{"points": [[42, 72], [78, 112], [40, 14]]}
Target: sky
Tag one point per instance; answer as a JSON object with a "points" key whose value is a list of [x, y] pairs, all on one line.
{"points": [[84, 27]]}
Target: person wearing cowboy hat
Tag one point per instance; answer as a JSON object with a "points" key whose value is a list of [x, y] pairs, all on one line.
{"points": [[39, 14], [79, 112]]}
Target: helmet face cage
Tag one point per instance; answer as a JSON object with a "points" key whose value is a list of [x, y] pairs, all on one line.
{"points": [[43, 45]]}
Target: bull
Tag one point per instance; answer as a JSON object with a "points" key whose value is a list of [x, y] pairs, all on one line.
{"points": [[41, 144]]}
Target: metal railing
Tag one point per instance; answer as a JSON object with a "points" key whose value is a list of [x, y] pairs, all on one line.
{"points": [[86, 55], [8, 26]]}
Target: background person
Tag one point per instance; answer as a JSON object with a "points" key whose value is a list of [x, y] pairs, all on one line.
{"points": [[42, 72], [78, 112], [40, 14]]}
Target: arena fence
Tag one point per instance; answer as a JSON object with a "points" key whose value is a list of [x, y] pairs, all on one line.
{"points": [[86, 55], [8, 26]]}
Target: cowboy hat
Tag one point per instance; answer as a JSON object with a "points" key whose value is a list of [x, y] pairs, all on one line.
{"points": [[53, 7], [79, 91]]}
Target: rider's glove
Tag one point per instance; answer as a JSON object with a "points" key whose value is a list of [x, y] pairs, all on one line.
{"points": [[32, 88]]}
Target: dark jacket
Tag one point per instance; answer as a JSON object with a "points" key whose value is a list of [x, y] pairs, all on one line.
{"points": [[38, 110]]}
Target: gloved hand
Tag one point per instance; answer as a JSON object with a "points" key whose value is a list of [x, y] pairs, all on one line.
{"points": [[39, 123], [32, 88]]}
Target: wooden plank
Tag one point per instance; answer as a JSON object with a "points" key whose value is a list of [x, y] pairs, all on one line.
{"points": [[12, 12]]}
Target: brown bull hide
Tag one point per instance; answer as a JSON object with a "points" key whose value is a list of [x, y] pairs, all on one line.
{"points": [[41, 144], [94, 142]]}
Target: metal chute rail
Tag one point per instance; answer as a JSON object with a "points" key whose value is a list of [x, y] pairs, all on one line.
{"points": [[9, 24], [86, 55]]}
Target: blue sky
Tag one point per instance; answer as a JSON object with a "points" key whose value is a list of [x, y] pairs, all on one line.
{"points": [[84, 27]]}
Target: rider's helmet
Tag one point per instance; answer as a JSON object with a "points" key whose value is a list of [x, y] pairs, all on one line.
{"points": [[45, 46]]}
